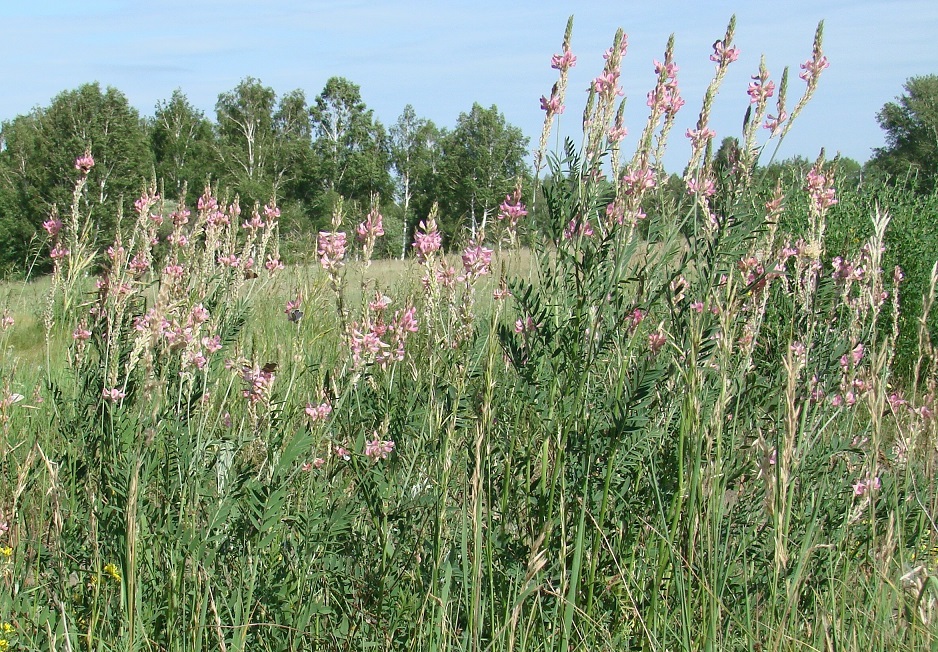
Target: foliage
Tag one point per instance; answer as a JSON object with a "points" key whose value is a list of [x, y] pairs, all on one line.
{"points": [[351, 145], [671, 425], [38, 158], [183, 144], [262, 141], [414, 143], [911, 126], [483, 158]]}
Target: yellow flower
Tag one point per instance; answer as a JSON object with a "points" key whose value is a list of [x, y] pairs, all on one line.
{"points": [[6, 629], [111, 571], [6, 551], [4, 644]]}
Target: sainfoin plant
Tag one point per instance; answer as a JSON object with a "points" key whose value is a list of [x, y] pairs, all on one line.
{"points": [[679, 428]]}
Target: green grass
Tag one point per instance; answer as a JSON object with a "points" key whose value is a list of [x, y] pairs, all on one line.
{"points": [[673, 434]]}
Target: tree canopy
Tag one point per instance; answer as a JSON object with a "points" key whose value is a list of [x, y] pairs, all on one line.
{"points": [[37, 162], [911, 126], [258, 145]]}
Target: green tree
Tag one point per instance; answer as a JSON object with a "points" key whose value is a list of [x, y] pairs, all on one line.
{"points": [[292, 145], [183, 143], [351, 147], [911, 126], [37, 162], [262, 142], [482, 160], [413, 146]]}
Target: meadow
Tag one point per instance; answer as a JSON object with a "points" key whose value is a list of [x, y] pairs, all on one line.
{"points": [[697, 421]]}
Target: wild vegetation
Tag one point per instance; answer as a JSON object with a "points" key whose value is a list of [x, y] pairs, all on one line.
{"points": [[696, 413]]}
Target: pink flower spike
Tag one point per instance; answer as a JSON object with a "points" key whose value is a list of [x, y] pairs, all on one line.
{"points": [[331, 250], [552, 106], [512, 209], [371, 228], [759, 91], [112, 395], [84, 163], [476, 260], [811, 68], [617, 134], [378, 449], [563, 61], [722, 54], [271, 212], [318, 412], [81, 334], [52, 226]]}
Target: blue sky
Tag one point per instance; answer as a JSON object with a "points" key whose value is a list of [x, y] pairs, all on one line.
{"points": [[443, 56]]}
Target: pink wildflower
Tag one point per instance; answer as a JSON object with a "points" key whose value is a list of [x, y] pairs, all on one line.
{"points": [[196, 359], [52, 226], [113, 395], [512, 209], [59, 252], [526, 325], [371, 228], [773, 123], [212, 344], [635, 318], [608, 84], [378, 449], [500, 293], [811, 68], [637, 181], [272, 213], [615, 213], [722, 54], [706, 188], [180, 217], [380, 303], [563, 61], [863, 486], [822, 195], [229, 260], [617, 132], [81, 333], [145, 201], [476, 260], [760, 90], [700, 137], [427, 240], [258, 383], [318, 412], [552, 105], [577, 229], [254, 223], [84, 163], [207, 202], [331, 250]]}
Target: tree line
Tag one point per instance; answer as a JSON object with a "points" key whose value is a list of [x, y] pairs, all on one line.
{"points": [[260, 146], [306, 155]]}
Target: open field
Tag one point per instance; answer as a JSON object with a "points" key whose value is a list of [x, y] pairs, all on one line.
{"points": [[645, 444], [696, 413]]}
